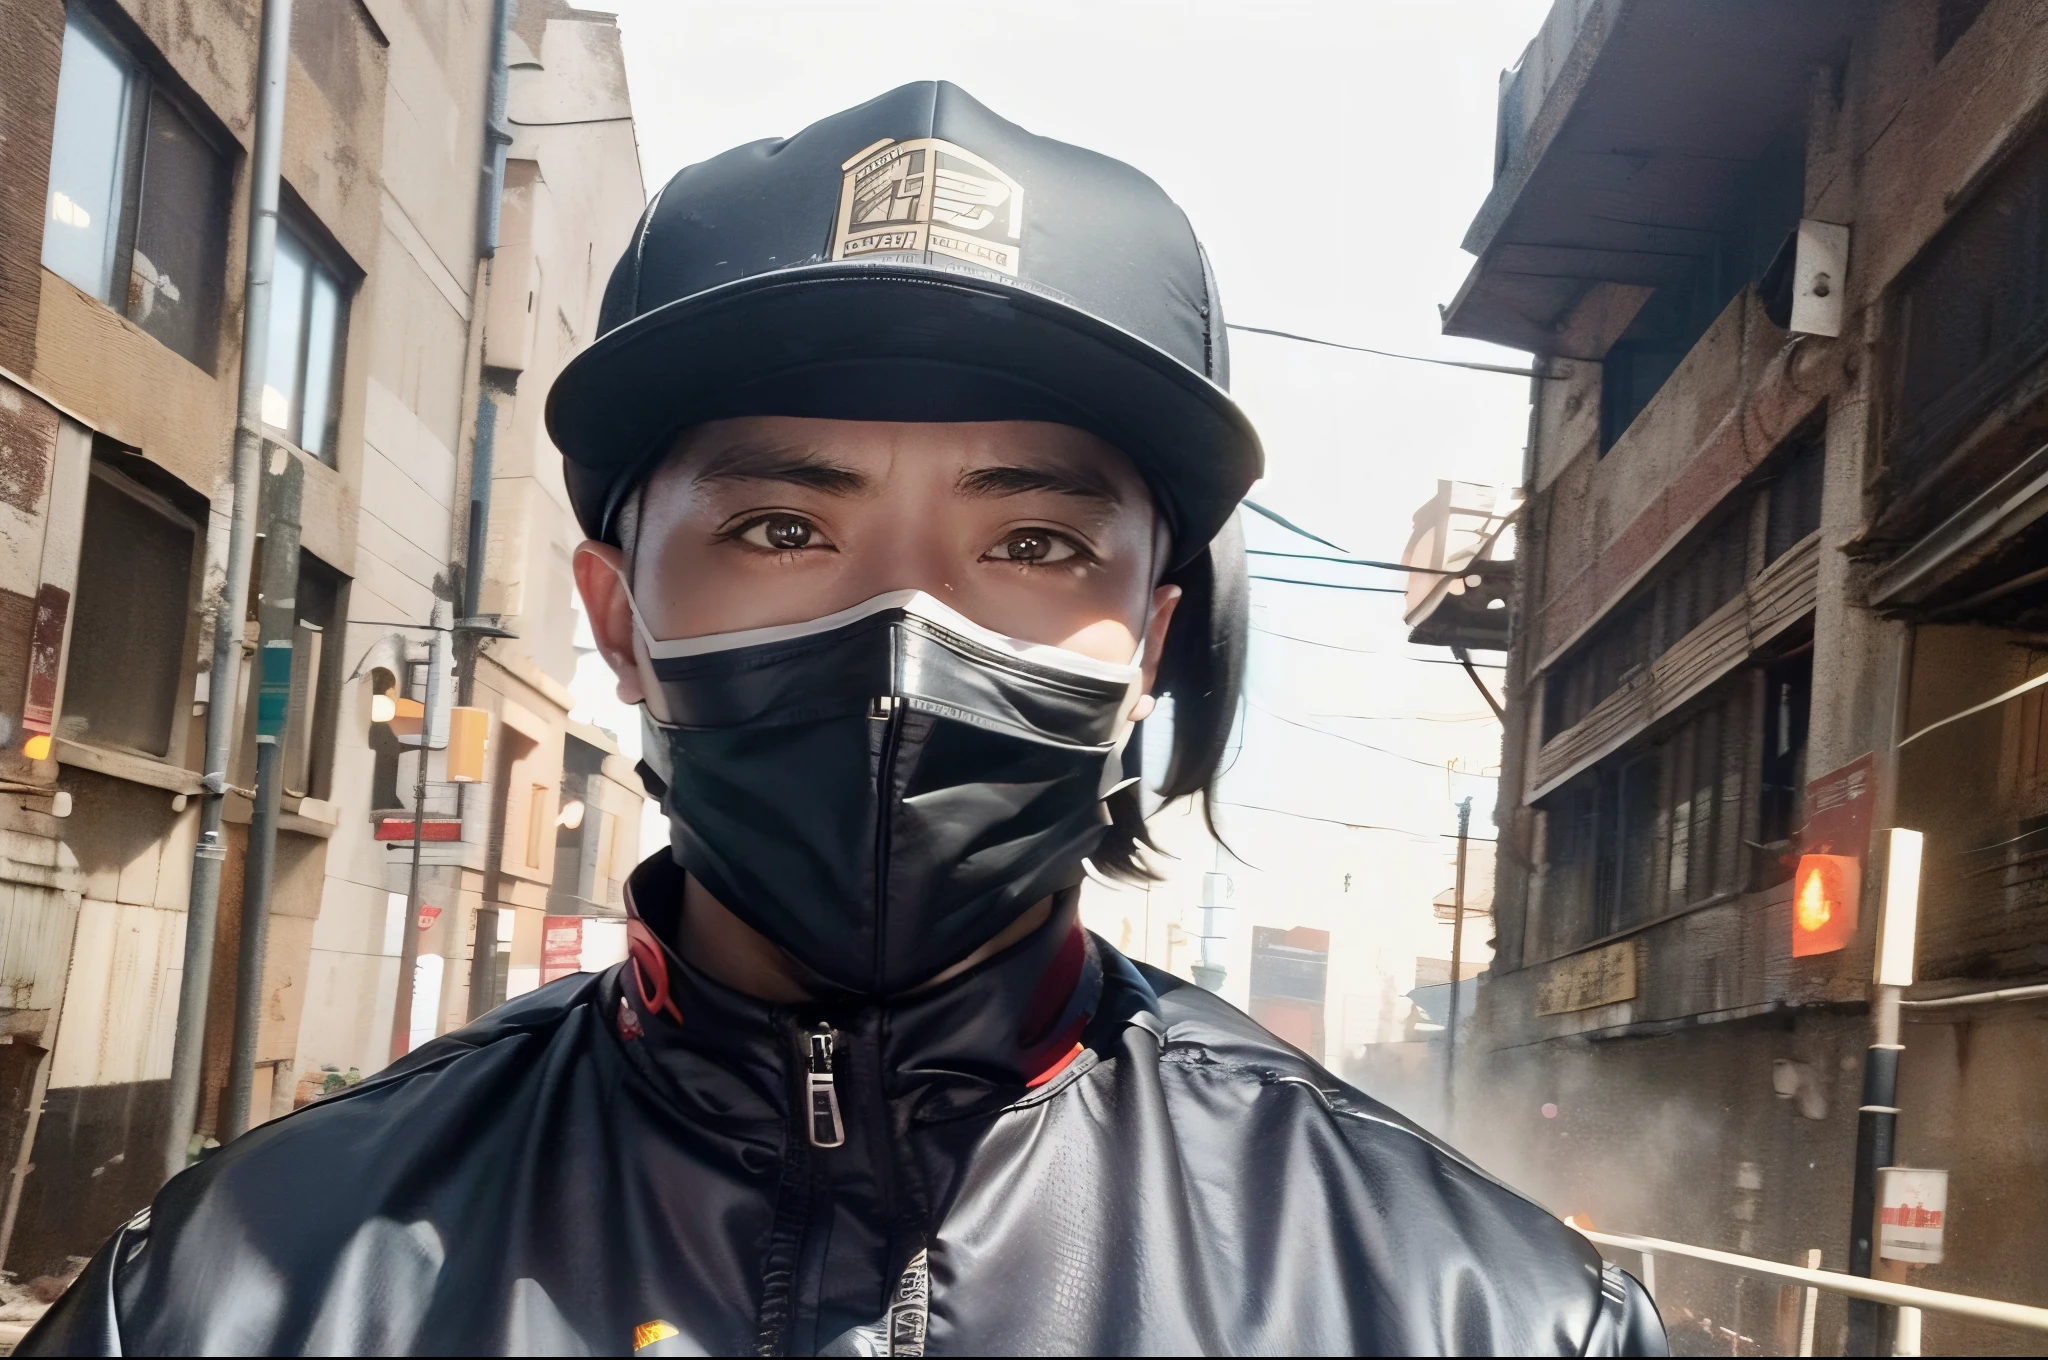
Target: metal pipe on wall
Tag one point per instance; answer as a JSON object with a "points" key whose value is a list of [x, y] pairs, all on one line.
{"points": [[1457, 966], [273, 62], [277, 618], [483, 445], [409, 935], [1877, 1118]]}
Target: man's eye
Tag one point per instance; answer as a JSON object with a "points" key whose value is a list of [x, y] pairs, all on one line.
{"points": [[783, 533], [1034, 546]]}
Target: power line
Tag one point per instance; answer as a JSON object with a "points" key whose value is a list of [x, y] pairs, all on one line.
{"points": [[1371, 651], [1356, 562], [1387, 353], [1289, 524], [1339, 736], [1332, 821], [1331, 585], [1402, 717], [1354, 826]]}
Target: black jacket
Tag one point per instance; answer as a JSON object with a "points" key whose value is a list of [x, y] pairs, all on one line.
{"points": [[631, 1161]]}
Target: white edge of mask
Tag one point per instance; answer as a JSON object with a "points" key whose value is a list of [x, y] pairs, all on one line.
{"points": [[913, 602]]}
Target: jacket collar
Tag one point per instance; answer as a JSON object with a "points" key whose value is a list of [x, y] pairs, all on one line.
{"points": [[975, 1042]]}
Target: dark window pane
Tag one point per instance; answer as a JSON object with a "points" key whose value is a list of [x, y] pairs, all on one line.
{"points": [[88, 161], [128, 641], [1795, 495], [1974, 315], [174, 287]]}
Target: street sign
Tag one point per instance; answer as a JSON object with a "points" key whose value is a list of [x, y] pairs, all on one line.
{"points": [[1912, 1203]]}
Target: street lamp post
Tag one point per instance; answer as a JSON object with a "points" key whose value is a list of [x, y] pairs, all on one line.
{"points": [[409, 937], [1877, 1120]]}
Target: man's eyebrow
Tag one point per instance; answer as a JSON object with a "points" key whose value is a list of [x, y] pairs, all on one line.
{"points": [[1018, 481], [792, 465]]}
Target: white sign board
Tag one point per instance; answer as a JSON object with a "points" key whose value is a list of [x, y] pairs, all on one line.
{"points": [[1912, 1204]]}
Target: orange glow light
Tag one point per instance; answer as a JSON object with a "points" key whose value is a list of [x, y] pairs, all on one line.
{"points": [[37, 747], [1825, 889], [1812, 910]]}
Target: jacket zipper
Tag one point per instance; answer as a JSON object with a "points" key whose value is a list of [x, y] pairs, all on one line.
{"points": [[887, 709], [827, 1129]]}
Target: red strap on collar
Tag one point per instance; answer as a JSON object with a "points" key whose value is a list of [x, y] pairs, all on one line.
{"points": [[650, 970]]}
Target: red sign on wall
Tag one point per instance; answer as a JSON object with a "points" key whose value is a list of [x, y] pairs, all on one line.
{"points": [[561, 947]]}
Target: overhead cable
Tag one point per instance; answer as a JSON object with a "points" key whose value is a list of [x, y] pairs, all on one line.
{"points": [[2015, 692], [1331, 585], [1288, 524], [1370, 651], [1339, 736], [1358, 562], [1387, 353]]}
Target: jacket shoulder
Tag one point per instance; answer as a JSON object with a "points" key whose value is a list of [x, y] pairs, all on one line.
{"points": [[227, 1255], [1544, 1286]]}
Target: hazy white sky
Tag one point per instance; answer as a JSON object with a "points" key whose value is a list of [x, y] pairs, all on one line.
{"points": [[1330, 156]]}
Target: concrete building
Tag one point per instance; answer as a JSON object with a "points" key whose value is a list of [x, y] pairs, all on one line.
{"points": [[406, 368], [1782, 267]]}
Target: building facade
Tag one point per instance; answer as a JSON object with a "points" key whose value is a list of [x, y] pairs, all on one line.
{"points": [[437, 261], [1782, 269]]}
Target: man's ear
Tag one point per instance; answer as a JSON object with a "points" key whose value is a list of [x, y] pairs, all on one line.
{"points": [[1165, 599], [601, 580]]}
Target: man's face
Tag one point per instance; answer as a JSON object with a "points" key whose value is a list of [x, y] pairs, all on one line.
{"points": [[1040, 531]]}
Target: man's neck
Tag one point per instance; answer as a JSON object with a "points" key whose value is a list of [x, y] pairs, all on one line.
{"points": [[734, 953]]}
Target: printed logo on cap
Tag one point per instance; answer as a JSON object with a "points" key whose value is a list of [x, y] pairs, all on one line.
{"points": [[926, 197]]}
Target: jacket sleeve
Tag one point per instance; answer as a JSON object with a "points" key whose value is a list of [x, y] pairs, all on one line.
{"points": [[83, 1321], [1628, 1323]]}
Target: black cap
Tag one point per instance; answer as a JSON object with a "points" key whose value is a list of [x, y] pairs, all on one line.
{"points": [[915, 258]]}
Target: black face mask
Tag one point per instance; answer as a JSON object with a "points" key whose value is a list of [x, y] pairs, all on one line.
{"points": [[883, 790]]}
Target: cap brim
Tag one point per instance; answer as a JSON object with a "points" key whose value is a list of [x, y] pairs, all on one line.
{"points": [[867, 342]]}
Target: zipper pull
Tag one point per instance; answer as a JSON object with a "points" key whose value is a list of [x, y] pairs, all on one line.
{"points": [[827, 1130]]}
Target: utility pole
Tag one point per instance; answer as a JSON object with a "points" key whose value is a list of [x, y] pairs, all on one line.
{"points": [[277, 619], [1457, 963], [1878, 1116], [409, 938], [223, 680], [1877, 1121]]}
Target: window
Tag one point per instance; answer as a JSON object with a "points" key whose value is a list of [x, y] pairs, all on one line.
{"points": [[138, 201], [1694, 580], [1653, 829], [1794, 511], [302, 368], [1972, 317], [1674, 317], [1781, 793], [536, 823], [316, 680], [125, 679], [385, 749], [581, 830]]}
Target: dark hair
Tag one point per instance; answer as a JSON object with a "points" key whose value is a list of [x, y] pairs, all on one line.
{"points": [[1202, 668]]}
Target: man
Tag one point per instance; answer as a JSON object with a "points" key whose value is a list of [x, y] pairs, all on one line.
{"points": [[909, 474]]}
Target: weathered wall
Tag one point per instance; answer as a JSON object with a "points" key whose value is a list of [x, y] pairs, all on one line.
{"points": [[31, 37]]}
